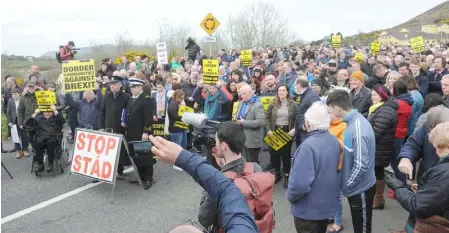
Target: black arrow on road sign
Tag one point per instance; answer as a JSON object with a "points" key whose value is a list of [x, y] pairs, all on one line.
{"points": [[213, 26]]}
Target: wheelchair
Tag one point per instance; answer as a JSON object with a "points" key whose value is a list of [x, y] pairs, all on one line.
{"points": [[58, 162]]}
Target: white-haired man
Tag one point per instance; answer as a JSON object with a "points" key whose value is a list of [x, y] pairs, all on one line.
{"points": [[313, 177]]}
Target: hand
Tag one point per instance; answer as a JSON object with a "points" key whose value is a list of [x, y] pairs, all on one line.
{"points": [[10, 125], [21, 126], [270, 133], [219, 83], [190, 98], [414, 187], [144, 137], [240, 121], [200, 84], [123, 125], [155, 118], [393, 182], [291, 133], [165, 150], [406, 167], [53, 108], [37, 111]]}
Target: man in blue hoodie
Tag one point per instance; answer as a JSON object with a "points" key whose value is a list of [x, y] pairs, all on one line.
{"points": [[357, 174], [313, 179]]}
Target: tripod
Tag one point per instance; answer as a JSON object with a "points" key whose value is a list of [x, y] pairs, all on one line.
{"points": [[6, 151]]}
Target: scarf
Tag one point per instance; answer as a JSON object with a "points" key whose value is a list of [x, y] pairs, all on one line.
{"points": [[374, 107], [160, 108], [210, 111]]}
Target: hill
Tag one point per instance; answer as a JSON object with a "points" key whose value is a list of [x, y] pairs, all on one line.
{"points": [[52, 54], [433, 16]]}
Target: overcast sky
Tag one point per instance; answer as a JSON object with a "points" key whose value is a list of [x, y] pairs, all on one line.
{"points": [[32, 27]]}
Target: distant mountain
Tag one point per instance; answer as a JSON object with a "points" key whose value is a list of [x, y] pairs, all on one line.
{"points": [[432, 16], [52, 54]]}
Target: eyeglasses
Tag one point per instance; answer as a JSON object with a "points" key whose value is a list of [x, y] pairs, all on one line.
{"points": [[195, 224]]}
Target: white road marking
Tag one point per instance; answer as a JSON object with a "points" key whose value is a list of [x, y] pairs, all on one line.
{"points": [[54, 200]]}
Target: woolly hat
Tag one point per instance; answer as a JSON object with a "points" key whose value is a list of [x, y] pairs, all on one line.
{"points": [[316, 81], [358, 75]]}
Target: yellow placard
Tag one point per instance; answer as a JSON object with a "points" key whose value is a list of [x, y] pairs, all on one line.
{"points": [[336, 41], [183, 109], [210, 71], [417, 44], [78, 75], [158, 127], [180, 124], [266, 101], [45, 97], [375, 48], [209, 24], [359, 56], [235, 108], [278, 140], [247, 57]]}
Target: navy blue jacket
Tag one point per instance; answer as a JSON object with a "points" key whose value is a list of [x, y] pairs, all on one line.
{"points": [[88, 112], [233, 209]]}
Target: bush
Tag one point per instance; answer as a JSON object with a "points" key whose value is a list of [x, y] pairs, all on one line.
{"points": [[131, 54]]}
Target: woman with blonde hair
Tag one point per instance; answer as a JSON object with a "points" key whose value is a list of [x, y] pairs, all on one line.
{"points": [[392, 77]]}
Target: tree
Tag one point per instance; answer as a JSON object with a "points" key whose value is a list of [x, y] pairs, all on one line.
{"points": [[259, 24]]}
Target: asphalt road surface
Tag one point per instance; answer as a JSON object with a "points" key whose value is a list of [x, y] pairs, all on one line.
{"points": [[44, 204]]}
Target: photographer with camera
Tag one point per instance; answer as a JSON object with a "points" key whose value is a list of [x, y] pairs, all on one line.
{"points": [[193, 49], [67, 52]]}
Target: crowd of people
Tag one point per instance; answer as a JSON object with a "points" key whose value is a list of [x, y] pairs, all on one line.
{"points": [[359, 125]]}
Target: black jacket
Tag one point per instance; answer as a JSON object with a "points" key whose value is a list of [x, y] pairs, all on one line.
{"points": [[172, 111], [111, 111], [46, 128], [373, 80], [367, 68], [384, 121], [306, 100], [362, 101], [432, 196], [435, 81]]}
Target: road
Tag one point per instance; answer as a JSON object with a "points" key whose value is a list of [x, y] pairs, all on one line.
{"points": [[173, 199]]}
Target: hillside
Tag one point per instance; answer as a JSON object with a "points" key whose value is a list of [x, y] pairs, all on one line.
{"points": [[432, 16]]}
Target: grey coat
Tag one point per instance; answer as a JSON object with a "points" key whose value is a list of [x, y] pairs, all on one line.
{"points": [[122, 66], [27, 106], [208, 213], [11, 111], [253, 124], [362, 101]]}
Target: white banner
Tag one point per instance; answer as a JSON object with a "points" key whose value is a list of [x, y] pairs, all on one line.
{"points": [[162, 53]]}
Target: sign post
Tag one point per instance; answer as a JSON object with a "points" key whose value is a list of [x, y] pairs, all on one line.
{"points": [[209, 25]]}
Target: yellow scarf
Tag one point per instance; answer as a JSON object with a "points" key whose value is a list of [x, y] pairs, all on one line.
{"points": [[374, 107]]}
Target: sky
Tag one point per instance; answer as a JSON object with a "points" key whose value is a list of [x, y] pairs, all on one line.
{"points": [[32, 28]]}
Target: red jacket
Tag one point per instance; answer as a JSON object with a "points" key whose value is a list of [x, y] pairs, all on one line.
{"points": [[65, 54], [404, 114]]}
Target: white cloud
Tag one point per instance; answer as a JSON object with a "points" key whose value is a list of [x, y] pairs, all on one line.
{"points": [[35, 27]]}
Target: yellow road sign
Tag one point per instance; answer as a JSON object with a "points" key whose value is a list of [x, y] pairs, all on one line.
{"points": [[209, 24]]}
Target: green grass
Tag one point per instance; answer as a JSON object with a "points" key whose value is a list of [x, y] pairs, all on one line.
{"points": [[4, 127]]}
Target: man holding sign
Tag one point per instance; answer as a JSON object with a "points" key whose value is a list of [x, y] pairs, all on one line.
{"points": [[47, 126]]}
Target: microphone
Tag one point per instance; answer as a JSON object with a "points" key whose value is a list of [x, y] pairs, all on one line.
{"points": [[195, 119]]}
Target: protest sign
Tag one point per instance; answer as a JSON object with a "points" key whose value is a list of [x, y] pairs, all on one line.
{"points": [[417, 44], [162, 53], [235, 108], [359, 57], [246, 57], [78, 75], [183, 109], [158, 127], [96, 154], [210, 71], [45, 99], [266, 101], [278, 140], [375, 48], [336, 41]]}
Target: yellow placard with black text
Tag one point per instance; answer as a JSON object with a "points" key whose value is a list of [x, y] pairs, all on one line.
{"points": [[183, 109], [417, 44], [210, 71], [278, 140], [235, 107], [375, 48], [45, 99], [336, 41], [246, 57], [78, 75], [266, 101]]}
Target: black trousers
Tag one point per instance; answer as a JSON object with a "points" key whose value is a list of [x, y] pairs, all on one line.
{"points": [[145, 173], [362, 210], [252, 155], [379, 172], [45, 143], [310, 226], [284, 155]]}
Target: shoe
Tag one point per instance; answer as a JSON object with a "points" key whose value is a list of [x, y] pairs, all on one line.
{"points": [[134, 181], [94, 181], [286, 181], [120, 175], [18, 154], [50, 167], [147, 184], [38, 167], [330, 220], [8, 138], [379, 201], [25, 153], [333, 230]]}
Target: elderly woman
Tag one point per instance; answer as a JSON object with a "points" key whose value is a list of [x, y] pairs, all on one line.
{"points": [[428, 202], [213, 100]]}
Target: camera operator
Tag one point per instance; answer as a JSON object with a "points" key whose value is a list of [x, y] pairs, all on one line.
{"points": [[193, 49], [67, 52]]}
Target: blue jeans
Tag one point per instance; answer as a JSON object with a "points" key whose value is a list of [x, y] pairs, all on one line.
{"points": [[180, 139], [17, 146], [338, 206], [394, 159]]}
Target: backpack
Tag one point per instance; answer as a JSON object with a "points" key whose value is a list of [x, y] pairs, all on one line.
{"points": [[258, 189], [58, 54]]}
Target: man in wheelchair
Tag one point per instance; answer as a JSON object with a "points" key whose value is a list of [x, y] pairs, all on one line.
{"points": [[47, 127]]}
